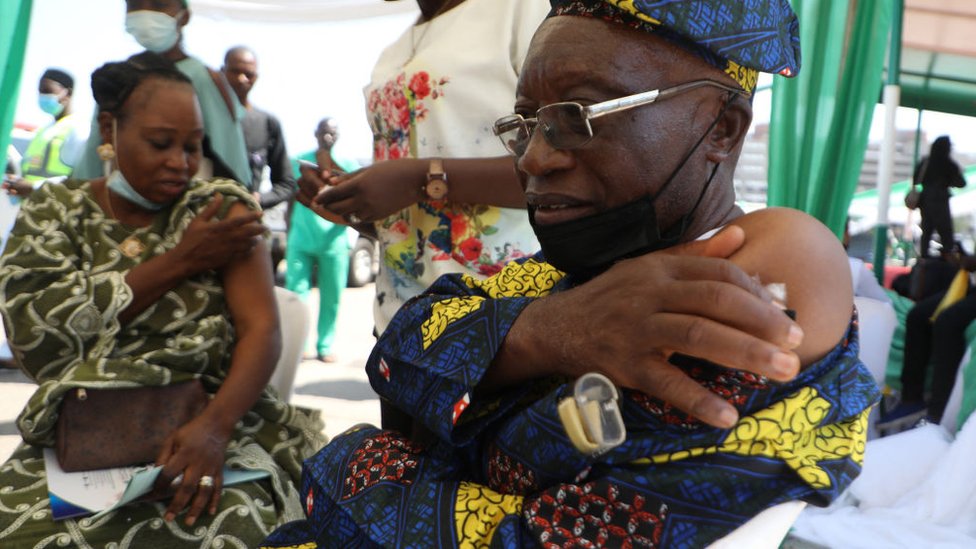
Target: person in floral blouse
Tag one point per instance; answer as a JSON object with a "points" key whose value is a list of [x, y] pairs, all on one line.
{"points": [[426, 101]]}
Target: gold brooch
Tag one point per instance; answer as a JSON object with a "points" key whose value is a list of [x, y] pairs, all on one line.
{"points": [[132, 247]]}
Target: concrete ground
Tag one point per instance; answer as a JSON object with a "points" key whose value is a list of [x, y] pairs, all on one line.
{"points": [[340, 389]]}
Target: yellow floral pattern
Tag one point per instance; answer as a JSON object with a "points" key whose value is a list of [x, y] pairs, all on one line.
{"points": [[445, 312], [790, 430], [529, 279], [478, 511]]}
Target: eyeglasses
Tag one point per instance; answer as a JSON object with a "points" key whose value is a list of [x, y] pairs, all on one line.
{"points": [[566, 125]]}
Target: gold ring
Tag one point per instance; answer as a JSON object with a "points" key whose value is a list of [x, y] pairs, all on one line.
{"points": [[206, 481]]}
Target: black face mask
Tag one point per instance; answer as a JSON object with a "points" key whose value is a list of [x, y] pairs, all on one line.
{"points": [[588, 246]]}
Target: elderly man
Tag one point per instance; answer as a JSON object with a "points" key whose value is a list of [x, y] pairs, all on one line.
{"points": [[729, 406]]}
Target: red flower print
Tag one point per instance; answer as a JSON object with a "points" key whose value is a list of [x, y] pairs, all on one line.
{"points": [[420, 85], [400, 227], [471, 249], [459, 227], [489, 270]]}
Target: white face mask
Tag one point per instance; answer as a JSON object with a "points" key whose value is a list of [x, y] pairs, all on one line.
{"points": [[155, 31]]}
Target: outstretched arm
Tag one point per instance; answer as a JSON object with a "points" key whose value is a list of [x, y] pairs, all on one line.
{"points": [[387, 187]]}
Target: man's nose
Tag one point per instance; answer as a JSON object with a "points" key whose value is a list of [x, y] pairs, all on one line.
{"points": [[541, 158]]}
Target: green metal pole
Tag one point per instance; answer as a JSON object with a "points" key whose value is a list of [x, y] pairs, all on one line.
{"points": [[894, 65]]}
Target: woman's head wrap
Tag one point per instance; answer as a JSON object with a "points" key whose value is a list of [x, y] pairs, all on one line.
{"points": [[740, 37]]}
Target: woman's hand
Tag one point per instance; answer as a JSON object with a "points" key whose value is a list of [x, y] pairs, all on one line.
{"points": [[16, 186], [375, 192], [195, 450], [310, 183], [210, 244]]}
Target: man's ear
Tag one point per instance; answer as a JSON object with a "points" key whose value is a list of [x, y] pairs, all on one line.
{"points": [[730, 130], [105, 126]]}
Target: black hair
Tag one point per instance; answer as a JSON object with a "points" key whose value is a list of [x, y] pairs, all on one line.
{"points": [[238, 50], [114, 82], [940, 165], [61, 77], [940, 148]]}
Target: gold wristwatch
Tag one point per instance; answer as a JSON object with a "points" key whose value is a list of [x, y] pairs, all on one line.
{"points": [[436, 186]]}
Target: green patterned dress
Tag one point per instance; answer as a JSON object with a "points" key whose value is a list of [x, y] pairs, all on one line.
{"points": [[62, 276]]}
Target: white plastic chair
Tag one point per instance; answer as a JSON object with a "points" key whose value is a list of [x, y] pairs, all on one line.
{"points": [[294, 328], [877, 323], [763, 531]]}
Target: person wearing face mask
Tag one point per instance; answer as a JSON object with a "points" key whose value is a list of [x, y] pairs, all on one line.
{"points": [[667, 367], [316, 243], [157, 25], [151, 278], [57, 147]]}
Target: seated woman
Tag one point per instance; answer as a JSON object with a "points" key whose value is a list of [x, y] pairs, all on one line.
{"points": [[147, 278], [630, 118]]}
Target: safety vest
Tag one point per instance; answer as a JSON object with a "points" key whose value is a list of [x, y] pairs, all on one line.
{"points": [[42, 159]]}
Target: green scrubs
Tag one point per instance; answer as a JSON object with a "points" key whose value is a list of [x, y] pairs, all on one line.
{"points": [[314, 242]]}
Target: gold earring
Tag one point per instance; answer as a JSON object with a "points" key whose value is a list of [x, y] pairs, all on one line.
{"points": [[106, 152]]}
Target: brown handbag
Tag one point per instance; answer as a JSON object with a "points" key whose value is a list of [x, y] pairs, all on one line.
{"points": [[102, 428]]}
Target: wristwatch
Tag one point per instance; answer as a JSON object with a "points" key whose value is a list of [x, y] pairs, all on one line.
{"points": [[436, 186]]}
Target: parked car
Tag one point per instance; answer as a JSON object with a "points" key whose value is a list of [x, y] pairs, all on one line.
{"points": [[364, 259]]}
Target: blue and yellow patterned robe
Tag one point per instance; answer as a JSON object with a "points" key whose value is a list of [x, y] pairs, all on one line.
{"points": [[503, 472]]}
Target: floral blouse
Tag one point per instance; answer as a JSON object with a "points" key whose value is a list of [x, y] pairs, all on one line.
{"points": [[427, 100]]}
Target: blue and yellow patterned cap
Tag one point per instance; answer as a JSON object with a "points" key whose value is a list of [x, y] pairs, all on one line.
{"points": [[740, 37]]}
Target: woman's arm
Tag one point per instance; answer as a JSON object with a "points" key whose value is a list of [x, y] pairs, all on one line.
{"points": [[197, 448], [249, 290], [206, 244], [388, 187]]}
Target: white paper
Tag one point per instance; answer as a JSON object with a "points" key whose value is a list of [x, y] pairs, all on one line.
{"points": [[104, 490]]}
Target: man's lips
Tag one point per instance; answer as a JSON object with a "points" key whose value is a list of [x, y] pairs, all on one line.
{"points": [[551, 209]]}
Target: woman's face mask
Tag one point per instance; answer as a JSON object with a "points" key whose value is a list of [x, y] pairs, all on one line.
{"points": [[50, 103], [154, 30]]}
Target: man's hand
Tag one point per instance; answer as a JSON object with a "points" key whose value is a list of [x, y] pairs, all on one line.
{"points": [[627, 322]]}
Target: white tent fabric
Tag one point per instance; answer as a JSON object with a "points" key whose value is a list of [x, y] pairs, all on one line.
{"points": [[298, 11], [916, 490]]}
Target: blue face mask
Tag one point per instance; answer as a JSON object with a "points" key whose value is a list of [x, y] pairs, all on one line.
{"points": [[118, 184], [50, 103]]}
